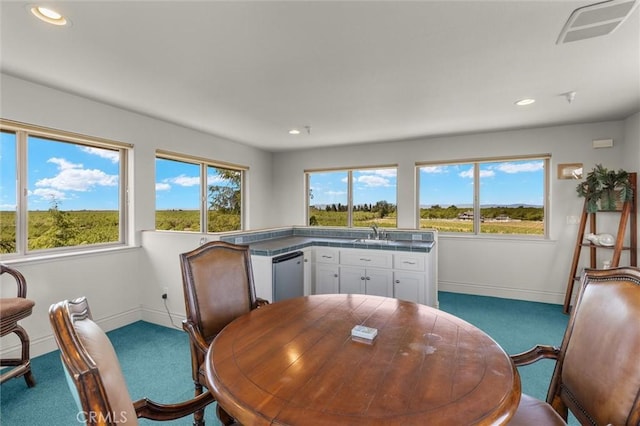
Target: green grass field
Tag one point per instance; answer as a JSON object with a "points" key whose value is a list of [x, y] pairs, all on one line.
{"points": [[524, 227], [68, 229], [73, 228], [367, 219], [65, 229]]}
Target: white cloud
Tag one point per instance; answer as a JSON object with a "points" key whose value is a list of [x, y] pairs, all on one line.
{"points": [[531, 166], [72, 177], [373, 181], [183, 180], [336, 193], [162, 186], [432, 169], [483, 173], [113, 156], [467, 173], [64, 164], [8, 207], [385, 172], [49, 194], [215, 179]]}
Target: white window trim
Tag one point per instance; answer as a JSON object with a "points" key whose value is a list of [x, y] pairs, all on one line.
{"points": [[349, 170], [24, 130], [203, 164], [476, 193]]}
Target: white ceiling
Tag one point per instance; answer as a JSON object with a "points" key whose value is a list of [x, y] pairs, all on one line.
{"points": [[354, 72]]}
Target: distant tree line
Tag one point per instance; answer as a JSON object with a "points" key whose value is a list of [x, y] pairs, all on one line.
{"points": [[382, 208], [453, 212]]}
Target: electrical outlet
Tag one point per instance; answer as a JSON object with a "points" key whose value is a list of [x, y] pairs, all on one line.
{"points": [[165, 292]]}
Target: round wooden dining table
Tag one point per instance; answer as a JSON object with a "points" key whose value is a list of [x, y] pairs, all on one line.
{"points": [[295, 362]]}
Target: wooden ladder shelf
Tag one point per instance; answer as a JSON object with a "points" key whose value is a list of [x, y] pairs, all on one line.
{"points": [[627, 215]]}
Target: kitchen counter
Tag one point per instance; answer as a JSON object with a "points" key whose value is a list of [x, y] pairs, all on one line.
{"points": [[275, 246]]}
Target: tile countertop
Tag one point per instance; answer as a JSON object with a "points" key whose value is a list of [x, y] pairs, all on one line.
{"points": [[276, 246]]}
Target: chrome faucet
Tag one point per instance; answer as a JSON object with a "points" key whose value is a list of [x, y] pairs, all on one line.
{"points": [[375, 231]]}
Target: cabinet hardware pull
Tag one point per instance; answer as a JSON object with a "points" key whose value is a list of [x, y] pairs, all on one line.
{"points": [[362, 278], [324, 256], [368, 278], [364, 259], [408, 262], [397, 281]]}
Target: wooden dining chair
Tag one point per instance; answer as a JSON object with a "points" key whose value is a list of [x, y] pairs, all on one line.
{"points": [[218, 287], [94, 374], [12, 310], [597, 372]]}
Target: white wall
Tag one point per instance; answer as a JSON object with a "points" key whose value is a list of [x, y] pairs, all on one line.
{"points": [[117, 283], [504, 267]]}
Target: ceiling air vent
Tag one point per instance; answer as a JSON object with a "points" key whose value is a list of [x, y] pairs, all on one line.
{"points": [[595, 20]]}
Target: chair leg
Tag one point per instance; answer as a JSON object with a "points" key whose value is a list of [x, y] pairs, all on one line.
{"points": [[19, 366], [24, 338], [198, 416], [28, 377]]}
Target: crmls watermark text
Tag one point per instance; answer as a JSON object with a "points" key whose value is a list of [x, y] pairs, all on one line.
{"points": [[91, 417]]}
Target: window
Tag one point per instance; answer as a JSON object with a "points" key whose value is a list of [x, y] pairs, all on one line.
{"points": [[194, 194], [59, 190], [352, 198], [493, 196]]}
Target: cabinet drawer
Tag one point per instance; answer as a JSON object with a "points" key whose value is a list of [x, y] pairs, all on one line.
{"points": [[408, 261], [326, 255], [368, 258]]}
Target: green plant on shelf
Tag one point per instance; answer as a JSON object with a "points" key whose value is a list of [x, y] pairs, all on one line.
{"points": [[604, 188]]}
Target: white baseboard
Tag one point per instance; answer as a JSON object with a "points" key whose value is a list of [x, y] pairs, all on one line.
{"points": [[502, 292], [45, 344], [160, 317]]}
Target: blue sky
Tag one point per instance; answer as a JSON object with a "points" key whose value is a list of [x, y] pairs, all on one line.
{"points": [[80, 177], [178, 184], [504, 183], [75, 176], [370, 186]]}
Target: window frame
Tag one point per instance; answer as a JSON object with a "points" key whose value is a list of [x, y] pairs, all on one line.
{"points": [[204, 164], [476, 162], [23, 131], [350, 191]]}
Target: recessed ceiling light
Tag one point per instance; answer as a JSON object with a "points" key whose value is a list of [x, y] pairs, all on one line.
{"points": [[294, 132], [523, 102], [48, 15]]}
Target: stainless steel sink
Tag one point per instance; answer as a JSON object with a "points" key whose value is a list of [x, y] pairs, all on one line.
{"points": [[370, 241]]}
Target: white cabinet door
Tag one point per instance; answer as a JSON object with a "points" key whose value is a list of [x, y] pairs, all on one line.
{"points": [[307, 270], [352, 280], [326, 278], [378, 282], [374, 281], [409, 286]]}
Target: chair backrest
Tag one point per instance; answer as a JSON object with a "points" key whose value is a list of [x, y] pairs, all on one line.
{"points": [[21, 282], [218, 285], [91, 365], [597, 376]]}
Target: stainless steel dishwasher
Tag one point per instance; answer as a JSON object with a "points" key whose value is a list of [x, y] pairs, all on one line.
{"points": [[288, 276]]}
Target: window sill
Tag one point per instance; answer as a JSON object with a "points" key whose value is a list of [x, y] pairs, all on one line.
{"points": [[45, 257]]}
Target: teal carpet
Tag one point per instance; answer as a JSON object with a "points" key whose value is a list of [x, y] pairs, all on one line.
{"points": [[156, 361]]}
